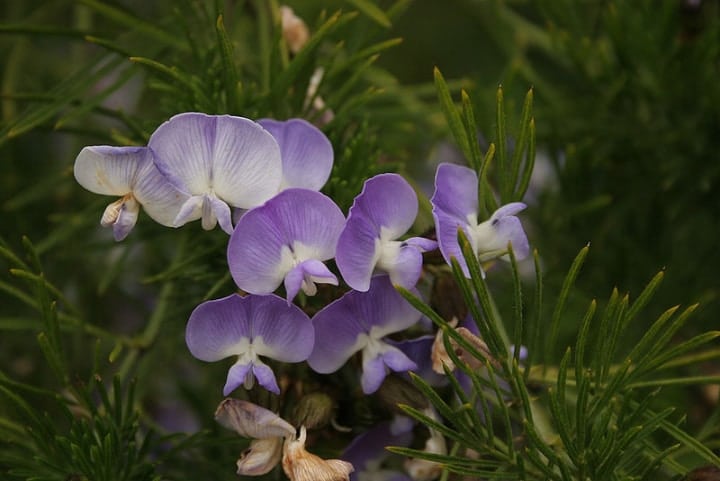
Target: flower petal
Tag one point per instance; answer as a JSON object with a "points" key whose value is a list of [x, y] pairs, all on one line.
{"points": [[127, 217], [159, 197], [252, 421], [236, 377], [232, 157], [345, 326], [404, 267], [456, 190], [375, 364], [221, 212], [268, 241], [109, 170], [357, 252], [307, 155], [369, 448], [190, 210], [265, 377], [229, 326]]}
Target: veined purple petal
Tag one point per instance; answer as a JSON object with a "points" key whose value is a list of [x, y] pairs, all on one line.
{"points": [[159, 197], [109, 170], [508, 210], [455, 204], [237, 376], [221, 211], [190, 210], [357, 252], [384, 210], [307, 155], [265, 377], [348, 324], [249, 327], [231, 157], [388, 201], [378, 357], [269, 241], [456, 188]]}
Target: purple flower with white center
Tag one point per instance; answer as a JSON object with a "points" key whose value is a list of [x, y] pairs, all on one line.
{"points": [[249, 327], [455, 205], [384, 210], [359, 321], [127, 172], [285, 240], [307, 155], [220, 161]]}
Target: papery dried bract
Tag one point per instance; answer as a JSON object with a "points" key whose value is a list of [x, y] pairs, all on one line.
{"points": [[252, 421], [300, 465], [261, 457]]}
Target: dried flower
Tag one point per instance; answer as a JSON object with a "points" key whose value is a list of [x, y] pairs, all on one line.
{"points": [[295, 32], [260, 457], [300, 465], [252, 421]]}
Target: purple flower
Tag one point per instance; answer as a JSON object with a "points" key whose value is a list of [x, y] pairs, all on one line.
{"points": [[249, 327], [359, 321], [455, 205], [285, 240], [368, 450], [127, 172], [385, 209], [307, 155], [220, 161]]}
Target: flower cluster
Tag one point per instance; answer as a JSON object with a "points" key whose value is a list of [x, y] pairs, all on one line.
{"points": [[260, 181]]}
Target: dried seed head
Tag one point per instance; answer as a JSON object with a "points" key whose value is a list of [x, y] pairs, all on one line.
{"points": [[438, 354], [300, 465], [314, 410], [252, 421], [472, 361], [261, 456], [295, 32], [395, 390]]}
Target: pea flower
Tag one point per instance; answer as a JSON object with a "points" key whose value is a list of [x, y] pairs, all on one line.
{"points": [[307, 155], [455, 205], [359, 321], [384, 210], [249, 327], [127, 172], [368, 451], [285, 241], [219, 161]]}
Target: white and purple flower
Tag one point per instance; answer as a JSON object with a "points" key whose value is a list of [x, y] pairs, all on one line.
{"points": [[286, 241], [359, 321], [455, 205], [249, 327], [220, 161], [384, 210], [127, 172]]}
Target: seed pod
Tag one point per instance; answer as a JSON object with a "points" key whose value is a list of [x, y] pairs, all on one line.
{"points": [[252, 421], [300, 465], [314, 410]]}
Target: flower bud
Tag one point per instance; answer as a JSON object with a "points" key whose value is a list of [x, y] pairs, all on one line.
{"points": [[300, 465], [396, 390], [260, 457], [252, 421], [314, 410]]}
